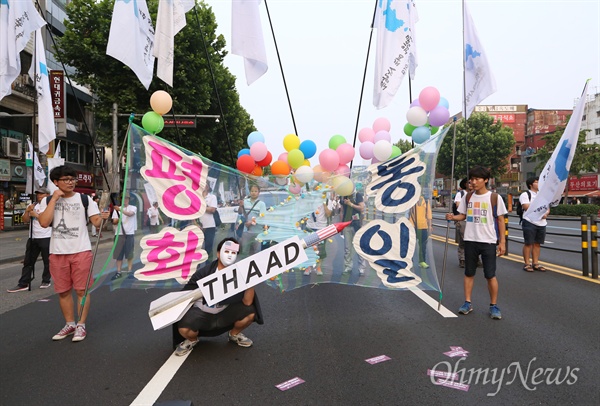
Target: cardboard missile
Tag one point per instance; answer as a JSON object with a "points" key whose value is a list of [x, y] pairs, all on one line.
{"points": [[238, 277]]}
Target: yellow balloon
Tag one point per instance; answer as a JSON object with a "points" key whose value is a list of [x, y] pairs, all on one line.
{"points": [[290, 142], [342, 185], [306, 163], [161, 102]]}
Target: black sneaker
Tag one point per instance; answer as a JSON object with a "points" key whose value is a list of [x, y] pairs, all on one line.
{"points": [[116, 276], [18, 288]]}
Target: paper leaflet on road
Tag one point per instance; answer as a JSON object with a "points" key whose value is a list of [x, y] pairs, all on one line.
{"points": [[176, 178]]}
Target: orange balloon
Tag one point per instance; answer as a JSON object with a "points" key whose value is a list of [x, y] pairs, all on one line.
{"points": [[280, 168], [257, 171]]}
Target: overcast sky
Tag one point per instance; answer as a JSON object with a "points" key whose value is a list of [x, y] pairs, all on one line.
{"points": [[540, 52]]}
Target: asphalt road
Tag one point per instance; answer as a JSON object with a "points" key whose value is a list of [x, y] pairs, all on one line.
{"points": [[544, 351]]}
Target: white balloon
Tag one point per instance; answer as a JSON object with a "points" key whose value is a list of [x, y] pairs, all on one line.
{"points": [[304, 174], [416, 116], [342, 185], [382, 150]]}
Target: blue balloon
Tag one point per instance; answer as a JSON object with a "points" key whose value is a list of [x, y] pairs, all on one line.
{"points": [[245, 151], [421, 134], [444, 102], [308, 148], [255, 136]]}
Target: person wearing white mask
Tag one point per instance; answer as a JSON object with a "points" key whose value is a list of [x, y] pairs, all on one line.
{"points": [[233, 314]]}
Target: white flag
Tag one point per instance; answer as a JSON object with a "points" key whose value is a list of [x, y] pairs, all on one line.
{"points": [[247, 38], [479, 80], [18, 19], [131, 38], [38, 72], [57, 150], [53, 163], [169, 21], [555, 174], [396, 51], [39, 172]]}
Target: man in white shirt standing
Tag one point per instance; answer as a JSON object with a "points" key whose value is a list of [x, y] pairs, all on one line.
{"points": [[126, 233], [154, 217], [38, 242], [534, 232], [317, 221], [70, 246]]}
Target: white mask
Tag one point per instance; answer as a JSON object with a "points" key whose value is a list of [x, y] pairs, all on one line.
{"points": [[228, 253]]}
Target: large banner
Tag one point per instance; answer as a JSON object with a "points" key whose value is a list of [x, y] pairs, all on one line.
{"points": [[397, 253]]}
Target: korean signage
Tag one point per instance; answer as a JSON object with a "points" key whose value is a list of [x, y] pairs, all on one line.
{"points": [[4, 170], [502, 109], [85, 179], [586, 182], [99, 157], [57, 84], [505, 118], [181, 122]]}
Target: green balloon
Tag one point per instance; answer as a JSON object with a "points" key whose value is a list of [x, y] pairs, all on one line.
{"points": [[408, 129], [434, 130], [395, 151], [153, 122], [295, 158], [336, 141]]}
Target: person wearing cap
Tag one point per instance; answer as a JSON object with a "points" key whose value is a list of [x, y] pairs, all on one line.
{"points": [[233, 314], [38, 243]]}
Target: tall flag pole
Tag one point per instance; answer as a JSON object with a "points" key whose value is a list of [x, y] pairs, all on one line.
{"points": [[131, 38], [18, 19], [170, 19], [396, 50], [38, 72], [555, 174], [247, 38], [479, 81]]}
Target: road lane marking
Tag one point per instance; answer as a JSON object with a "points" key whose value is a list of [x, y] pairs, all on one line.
{"points": [[444, 312], [149, 395]]}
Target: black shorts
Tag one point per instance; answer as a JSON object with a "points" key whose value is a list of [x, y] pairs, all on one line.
{"points": [[197, 320], [533, 234], [124, 248]]}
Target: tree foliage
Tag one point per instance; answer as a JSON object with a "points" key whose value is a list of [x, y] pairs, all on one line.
{"points": [[404, 145], [83, 47], [586, 158], [488, 144]]}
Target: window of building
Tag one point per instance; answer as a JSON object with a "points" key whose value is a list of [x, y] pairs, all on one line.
{"points": [[598, 113], [583, 117], [597, 131], [75, 153]]}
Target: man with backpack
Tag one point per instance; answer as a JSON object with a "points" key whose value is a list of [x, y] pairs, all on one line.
{"points": [[70, 246], [484, 235], [459, 226], [534, 232]]}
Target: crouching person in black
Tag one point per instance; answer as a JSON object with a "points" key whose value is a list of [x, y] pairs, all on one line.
{"points": [[232, 315]]}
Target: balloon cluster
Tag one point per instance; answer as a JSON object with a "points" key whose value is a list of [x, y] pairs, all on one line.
{"points": [[376, 142], [252, 160], [161, 103], [426, 115]]}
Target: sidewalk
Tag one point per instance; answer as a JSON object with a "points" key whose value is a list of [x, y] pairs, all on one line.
{"points": [[12, 244]]}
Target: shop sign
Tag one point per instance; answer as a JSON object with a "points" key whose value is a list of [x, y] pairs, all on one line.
{"points": [[5, 170], [85, 179]]}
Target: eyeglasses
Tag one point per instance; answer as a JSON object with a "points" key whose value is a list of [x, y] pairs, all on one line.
{"points": [[69, 180]]}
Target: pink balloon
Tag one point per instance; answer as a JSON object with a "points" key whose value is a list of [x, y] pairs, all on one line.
{"points": [[366, 134], [295, 188], [439, 116], [382, 135], [283, 157], [366, 150], [343, 170], [382, 123], [321, 175], [329, 159], [346, 153], [429, 98], [258, 151]]}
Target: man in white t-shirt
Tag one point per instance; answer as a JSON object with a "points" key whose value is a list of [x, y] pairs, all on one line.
{"points": [[208, 220], [484, 235], [126, 232], [154, 217], [70, 247], [460, 225], [534, 232], [38, 243], [317, 221]]}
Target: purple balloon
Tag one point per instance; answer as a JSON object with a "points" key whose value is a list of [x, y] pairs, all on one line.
{"points": [[382, 135], [366, 150], [439, 116], [415, 103]]}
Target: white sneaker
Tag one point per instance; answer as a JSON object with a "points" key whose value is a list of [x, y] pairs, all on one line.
{"points": [[240, 339], [185, 347]]}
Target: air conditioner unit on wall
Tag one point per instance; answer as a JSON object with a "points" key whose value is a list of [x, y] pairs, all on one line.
{"points": [[12, 147]]}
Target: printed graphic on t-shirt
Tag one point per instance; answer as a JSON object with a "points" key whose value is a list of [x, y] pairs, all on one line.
{"points": [[68, 220], [477, 212]]}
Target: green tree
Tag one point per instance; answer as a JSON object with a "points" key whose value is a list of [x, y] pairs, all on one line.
{"points": [[83, 47], [404, 145], [488, 144]]}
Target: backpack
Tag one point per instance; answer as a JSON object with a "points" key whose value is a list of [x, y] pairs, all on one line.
{"points": [[494, 201], [84, 200], [454, 206], [520, 210]]}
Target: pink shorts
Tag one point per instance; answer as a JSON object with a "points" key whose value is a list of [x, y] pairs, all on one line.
{"points": [[70, 271]]}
